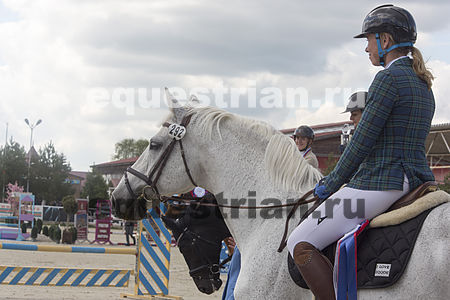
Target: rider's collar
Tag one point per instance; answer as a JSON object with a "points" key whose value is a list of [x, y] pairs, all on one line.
{"points": [[305, 151], [394, 60]]}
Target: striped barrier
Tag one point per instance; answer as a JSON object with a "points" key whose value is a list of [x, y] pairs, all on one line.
{"points": [[50, 276], [153, 259], [41, 276], [151, 269], [74, 249]]}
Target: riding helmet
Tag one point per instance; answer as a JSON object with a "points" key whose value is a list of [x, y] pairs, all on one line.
{"points": [[304, 131], [356, 101], [390, 19]]}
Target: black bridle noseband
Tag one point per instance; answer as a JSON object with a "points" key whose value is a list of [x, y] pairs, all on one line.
{"points": [[160, 164], [213, 269]]}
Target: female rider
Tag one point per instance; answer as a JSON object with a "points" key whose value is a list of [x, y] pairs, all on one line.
{"points": [[386, 156], [304, 137]]}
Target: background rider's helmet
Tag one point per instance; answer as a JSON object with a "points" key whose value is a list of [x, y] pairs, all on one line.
{"points": [[356, 101], [304, 131], [390, 19]]}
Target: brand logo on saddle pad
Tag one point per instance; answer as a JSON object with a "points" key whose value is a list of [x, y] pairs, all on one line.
{"points": [[382, 270]]}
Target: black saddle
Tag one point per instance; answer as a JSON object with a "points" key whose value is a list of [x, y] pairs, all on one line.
{"points": [[382, 254]]}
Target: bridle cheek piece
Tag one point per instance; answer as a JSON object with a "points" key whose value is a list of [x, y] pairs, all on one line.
{"points": [[176, 132]]}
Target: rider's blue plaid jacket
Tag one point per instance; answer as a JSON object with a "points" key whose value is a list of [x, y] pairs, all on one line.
{"points": [[390, 138]]}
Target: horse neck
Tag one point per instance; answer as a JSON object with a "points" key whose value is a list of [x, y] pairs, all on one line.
{"points": [[235, 161], [235, 167]]}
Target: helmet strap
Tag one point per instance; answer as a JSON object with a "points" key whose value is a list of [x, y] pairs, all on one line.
{"points": [[308, 144], [382, 53]]}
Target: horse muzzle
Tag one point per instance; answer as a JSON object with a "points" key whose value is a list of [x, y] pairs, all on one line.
{"points": [[208, 286], [129, 209]]}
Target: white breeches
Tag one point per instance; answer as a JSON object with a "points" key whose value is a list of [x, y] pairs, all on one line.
{"points": [[340, 213]]}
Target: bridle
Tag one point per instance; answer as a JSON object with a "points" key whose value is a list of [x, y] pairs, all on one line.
{"points": [[213, 269], [157, 168]]}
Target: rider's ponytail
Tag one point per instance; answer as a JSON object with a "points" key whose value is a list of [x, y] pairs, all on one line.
{"points": [[418, 64], [419, 67]]}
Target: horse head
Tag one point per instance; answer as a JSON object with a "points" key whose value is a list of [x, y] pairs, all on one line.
{"points": [[143, 184], [199, 232]]}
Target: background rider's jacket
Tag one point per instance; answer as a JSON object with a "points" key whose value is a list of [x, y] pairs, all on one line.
{"points": [[311, 159], [390, 138]]}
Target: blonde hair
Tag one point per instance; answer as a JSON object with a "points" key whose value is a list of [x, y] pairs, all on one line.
{"points": [[418, 63], [419, 67]]}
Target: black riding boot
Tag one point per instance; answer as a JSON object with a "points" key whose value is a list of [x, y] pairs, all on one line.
{"points": [[316, 270]]}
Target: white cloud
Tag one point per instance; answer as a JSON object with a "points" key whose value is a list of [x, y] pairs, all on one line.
{"points": [[441, 90], [53, 54]]}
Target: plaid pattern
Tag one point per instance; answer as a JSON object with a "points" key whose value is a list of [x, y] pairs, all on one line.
{"points": [[390, 138]]}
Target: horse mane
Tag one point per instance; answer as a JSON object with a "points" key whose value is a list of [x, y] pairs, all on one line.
{"points": [[210, 117], [286, 167]]}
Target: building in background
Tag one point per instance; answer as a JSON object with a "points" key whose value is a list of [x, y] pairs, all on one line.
{"points": [[77, 179], [438, 150], [113, 171]]}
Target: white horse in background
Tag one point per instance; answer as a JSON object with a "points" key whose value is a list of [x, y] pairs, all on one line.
{"points": [[252, 163]]}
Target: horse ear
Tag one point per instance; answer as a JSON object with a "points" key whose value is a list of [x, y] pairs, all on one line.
{"points": [[174, 105], [194, 100], [171, 101]]}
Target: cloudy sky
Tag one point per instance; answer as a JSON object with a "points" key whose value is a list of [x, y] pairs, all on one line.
{"points": [[93, 70]]}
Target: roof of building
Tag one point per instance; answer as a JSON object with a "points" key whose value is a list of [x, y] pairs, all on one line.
{"points": [[32, 153], [119, 162], [79, 174]]}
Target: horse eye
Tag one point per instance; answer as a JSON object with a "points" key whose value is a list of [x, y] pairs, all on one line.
{"points": [[155, 145]]}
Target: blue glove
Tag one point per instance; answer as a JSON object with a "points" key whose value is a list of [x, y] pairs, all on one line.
{"points": [[321, 190]]}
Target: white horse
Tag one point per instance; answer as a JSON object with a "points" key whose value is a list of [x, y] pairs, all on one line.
{"points": [[252, 163]]}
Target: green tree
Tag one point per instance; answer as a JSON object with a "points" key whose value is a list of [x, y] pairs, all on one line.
{"points": [[13, 164], [70, 206], [128, 148], [95, 188], [48, 175], [140, 146]]}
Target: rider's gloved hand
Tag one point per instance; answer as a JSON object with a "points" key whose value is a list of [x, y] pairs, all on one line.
{"points": [[321, 190]]}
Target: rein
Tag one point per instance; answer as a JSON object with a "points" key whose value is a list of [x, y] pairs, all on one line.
{"points": [[317, 201], [300, 201]]}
